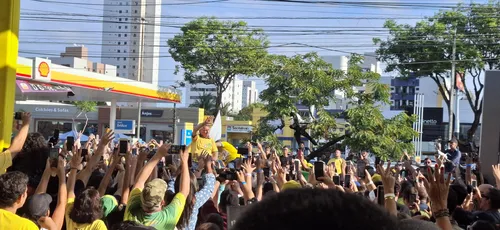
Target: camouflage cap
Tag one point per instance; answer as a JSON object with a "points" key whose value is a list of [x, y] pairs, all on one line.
{"points": [[153, 193]]}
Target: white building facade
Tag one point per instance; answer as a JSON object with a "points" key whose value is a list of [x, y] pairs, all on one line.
{"points": [[131, 38], [232, 95], [250, 94]]}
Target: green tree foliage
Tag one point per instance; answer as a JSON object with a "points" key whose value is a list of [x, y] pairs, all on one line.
{"points": [[205, 101], [245, 114], [311, 81], [425, 49], [214, 52]]}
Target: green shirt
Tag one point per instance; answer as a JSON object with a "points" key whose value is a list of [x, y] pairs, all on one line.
{"points": [[166, 219]]}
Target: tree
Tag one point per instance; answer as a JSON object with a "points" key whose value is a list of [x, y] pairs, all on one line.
{"points": [[426, 50], [83, 107], [205, 101], [310, 81], [214, 52], [245, 114]]}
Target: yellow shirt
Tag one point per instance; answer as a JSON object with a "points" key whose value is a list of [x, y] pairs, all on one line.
{"points": [[338, 164], [71, 225], [200, 144], [5, 161], [9, 220]]}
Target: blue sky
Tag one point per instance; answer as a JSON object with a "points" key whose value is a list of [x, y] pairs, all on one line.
{"points": [[47, 38]]}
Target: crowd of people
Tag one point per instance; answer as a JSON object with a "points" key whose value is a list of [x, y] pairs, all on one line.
{"points": [[100, 185]]}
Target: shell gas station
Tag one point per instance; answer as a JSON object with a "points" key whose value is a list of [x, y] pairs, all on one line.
{"points": [[38, 78]]}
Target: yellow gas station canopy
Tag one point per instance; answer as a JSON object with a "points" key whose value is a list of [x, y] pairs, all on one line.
{"points": [[38, 79]]}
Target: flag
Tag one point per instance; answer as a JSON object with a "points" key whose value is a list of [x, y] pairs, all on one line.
{"points": [[216, 130]]}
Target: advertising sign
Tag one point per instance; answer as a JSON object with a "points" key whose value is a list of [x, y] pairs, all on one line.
{"points": [[238, 129], [36, 87], [125, 126], [188, 136], [151, 113]]}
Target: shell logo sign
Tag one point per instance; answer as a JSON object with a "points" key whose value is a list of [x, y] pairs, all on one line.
{"points": [[44, 69], [41, 70]]}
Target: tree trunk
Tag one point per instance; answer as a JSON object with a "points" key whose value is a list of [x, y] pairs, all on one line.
{"points": [[475, 124], [319, 152], [218, 100]]}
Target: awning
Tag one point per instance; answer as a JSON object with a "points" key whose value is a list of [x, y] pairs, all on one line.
{"points": [[37, 87]]}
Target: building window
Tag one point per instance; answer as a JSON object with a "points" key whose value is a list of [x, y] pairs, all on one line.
{"points": [[117, 74], [124, 58], [133, 67], [133, 59], [119, 27], [120, 19], [135, 35], [124, 51], [117, 58], [118, 51], [126, 19], [126, 27], [119, 35], [133, 51], [124, 66], [135, 27], [125, 35], [126, 11], [120, 11], [124, 43], [136, 3], [135, 11], [117, 66], [135, 42], [119, 43]]}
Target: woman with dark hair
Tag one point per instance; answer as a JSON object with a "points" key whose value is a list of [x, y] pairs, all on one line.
{"points": [[85, 211], [196, 198], [31, 160]]}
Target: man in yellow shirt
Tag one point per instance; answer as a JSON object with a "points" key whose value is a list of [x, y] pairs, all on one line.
{"points": [[17, 144], [338, 162], [14, 191], [203, 142]]}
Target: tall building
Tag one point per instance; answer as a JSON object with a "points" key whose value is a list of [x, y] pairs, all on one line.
{"points": [[250, 94], [131, 38], [232, 95], [77, 57]]}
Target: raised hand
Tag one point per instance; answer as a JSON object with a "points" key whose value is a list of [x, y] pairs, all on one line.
{"points": [[387, 179], [437, 188], [247, 166]]}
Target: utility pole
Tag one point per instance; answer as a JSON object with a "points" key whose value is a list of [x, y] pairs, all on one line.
{"points": [[140, 77], [452, 87], [174, 127]]}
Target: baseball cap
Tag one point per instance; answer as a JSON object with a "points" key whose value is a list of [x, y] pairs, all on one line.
{"points": [[229, 198], [38, 205], [291, 185], [153, 193]]}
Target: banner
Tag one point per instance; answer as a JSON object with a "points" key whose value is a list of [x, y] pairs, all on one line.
{"points": [[216, 130]]}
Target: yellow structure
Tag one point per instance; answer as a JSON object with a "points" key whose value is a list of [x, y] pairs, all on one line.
{"points": [[235, 132], [9, 45]]}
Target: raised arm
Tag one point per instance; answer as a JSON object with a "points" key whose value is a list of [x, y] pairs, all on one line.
{"points": [[150, 166], [62, 197], [185, 178], [109, 173], [18, 141], [85, 174], [74, 164], [42, 186]]}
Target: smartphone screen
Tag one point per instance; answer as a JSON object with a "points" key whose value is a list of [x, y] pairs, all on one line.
{"points": [[176, 149], [54, 153], [319, 169], [361, 170], [347, 181], [297, 169], [474, 183], [70, 142], [85, 152], [266, 172], [380, 195], [336, 180], [243, 151], [123, 146]]}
